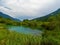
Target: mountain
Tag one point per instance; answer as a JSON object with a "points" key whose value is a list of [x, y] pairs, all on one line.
{"points": [[7, 16], [45, 18]]}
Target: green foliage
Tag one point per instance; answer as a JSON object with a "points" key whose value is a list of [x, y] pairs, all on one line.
{"points": [[13, 38], [51, 36], [8, 21], [50, 26]]}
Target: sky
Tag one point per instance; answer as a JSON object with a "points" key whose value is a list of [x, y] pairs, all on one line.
{"points": [[28, 9]]}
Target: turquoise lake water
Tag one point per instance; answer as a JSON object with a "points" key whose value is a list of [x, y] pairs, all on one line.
{"points": [[24, 30]]}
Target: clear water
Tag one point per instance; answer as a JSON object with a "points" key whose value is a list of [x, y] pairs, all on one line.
{"points": [[24, 30]]}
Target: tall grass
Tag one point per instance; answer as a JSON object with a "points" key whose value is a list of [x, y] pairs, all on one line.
{"points": [[13, 38], [22, 39]]}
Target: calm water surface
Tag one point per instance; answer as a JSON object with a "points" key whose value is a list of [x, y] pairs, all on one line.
{"points": [[24, 30]]}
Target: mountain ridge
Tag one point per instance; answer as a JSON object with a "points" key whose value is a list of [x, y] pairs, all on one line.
{"points": [[7, 16], [44, 18]]}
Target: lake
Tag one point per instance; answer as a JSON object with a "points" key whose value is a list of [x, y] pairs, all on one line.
{"points": [[25, 30]]}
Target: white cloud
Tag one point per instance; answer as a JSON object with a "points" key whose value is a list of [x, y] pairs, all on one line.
{"points": [[30, 7], [7, 11]]}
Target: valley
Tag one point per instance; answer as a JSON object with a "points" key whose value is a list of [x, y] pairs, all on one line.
{"points": [[49, 25]]}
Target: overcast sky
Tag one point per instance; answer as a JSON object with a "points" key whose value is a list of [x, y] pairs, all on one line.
{"points": [[29, 9]]}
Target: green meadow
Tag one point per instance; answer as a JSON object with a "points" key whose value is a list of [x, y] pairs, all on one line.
{"points": [[13, 38]]}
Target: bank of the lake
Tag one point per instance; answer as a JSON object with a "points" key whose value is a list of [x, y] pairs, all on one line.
{"points": [[24, 30], [13, 38]]}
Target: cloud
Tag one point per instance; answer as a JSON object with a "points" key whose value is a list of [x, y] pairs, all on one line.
{"points": [[7, 11], [32, 8]]}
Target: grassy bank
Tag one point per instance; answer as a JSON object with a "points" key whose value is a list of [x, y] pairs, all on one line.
{"points": [[13, 38]]}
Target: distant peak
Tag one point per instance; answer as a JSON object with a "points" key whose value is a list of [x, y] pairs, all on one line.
{"points": [[59, 9], [1, 12]]}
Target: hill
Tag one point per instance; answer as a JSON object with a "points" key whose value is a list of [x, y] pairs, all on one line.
{"points": [[8, 20], [7, 16], [45, 18]]}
